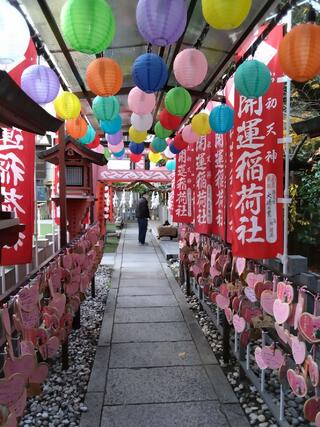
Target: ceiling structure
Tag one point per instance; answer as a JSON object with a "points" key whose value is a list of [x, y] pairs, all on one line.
{"points": [[218, 46]]}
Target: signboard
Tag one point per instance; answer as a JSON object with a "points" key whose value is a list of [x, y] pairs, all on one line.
{"points": [[184, 183]]}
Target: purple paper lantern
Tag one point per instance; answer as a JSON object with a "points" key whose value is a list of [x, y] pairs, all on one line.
{"points": [[40, 83], [161, 22], [115, 138]]}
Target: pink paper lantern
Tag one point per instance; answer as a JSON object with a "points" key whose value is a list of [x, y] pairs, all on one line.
{"points": [[140, 102], [188, 135], [190, 67], [116, 148]]}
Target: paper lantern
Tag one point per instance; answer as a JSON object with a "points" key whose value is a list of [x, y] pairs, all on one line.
{"points": [[141, 123], [67, 105], [111, 126], [161, 132], [106, 107], [169, 121], [88, 26], [135, 158], [179, 142], [168, 153], [137, 136], [173, 149], [161, 22], [154, 157], [221, 118], [188, 135], [200, 124], [115, 138], [77, 128], [171, 165], [190, 67], [95, 143], [149, 72], [104, 76], [14, 34], [178, 101], [225, 14], [158, 145], [120, 154], [107, 153], [299, 52], [89, 136], [252, 79], [116, 148], [40, 83], [140, 102], [136, 148]]}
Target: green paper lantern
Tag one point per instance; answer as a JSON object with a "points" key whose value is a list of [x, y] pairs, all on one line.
{"points": [[252, 78], [106, 153], [161, 132], [158, 145], [106, 107], [88, 26], [178, 101]]}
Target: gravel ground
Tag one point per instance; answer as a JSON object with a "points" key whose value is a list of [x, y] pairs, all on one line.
{"points": [[61, 402]]}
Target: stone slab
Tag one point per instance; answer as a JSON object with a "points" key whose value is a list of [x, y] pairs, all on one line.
{"points": [[187, 414], [150, 332], [221, 384], [94, 403], [235, 415], [156, 385], [139, 355], [107, 321], [153, 314], [143, 282], [147, 274], [147, 301], [145, 290], [99, 371]]}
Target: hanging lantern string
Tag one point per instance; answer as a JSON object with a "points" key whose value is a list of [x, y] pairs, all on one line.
{"points": [[202, 36]]}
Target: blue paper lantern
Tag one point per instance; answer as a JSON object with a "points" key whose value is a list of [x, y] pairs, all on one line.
{"points": [[120, 153], [173, 149], [136, 148], [221, 119], [158, 145], [171, 165], [149, 72], [89, 136], [111, 126], [106, 107], [252, 79]]}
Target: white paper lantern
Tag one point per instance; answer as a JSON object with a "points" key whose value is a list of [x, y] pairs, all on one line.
{"points": [[141, 123], [169, 153], [14, 34]]}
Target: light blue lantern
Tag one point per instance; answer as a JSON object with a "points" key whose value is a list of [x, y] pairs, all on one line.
{"points": [[106, 107], [221, 119], [111, 126], [89, 136], [120, 153], [171, 165], [252, 78], [158, 145]]}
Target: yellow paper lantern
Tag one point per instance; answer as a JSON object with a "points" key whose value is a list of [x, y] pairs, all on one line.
{"points": [[137, 136], [200, 124], [67, 106], [154, 157], [225, 14]]}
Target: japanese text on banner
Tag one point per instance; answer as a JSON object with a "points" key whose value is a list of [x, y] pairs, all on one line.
{"points": [[184, 179]]}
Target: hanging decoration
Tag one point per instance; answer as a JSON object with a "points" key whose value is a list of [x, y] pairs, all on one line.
{"points": [[14, 34], [106, 108], [89, 136], [111, 126], [149, 72], [136, 148], [169, 121], [178, 101], [188, 135], [104, 76], [135, 158], [41, 83], [67, 105], [171, 165], [173, 149], [179, 142], [88, 27], [225, 14], [161, 22], [252, 78], [168, 153], [190, 67], [137, 136], [115, 138], [158, 145], [142, 123], [140, 102], [221, 118], [161, 132], [107, 153], [77, 128], [154, 157], [95, 143], [299, 52], [119, 154], [200, 124]]}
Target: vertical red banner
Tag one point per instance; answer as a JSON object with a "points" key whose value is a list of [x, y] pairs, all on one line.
{"points": [[17, 157], [100, 206], [184, 179], [258, 167]]}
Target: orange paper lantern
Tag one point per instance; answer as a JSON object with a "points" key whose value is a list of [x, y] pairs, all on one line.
{"points": [[299, 52], [104, 77], [77, 128]]}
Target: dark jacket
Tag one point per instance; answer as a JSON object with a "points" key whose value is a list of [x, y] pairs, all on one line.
{"points": [[142, 210]]}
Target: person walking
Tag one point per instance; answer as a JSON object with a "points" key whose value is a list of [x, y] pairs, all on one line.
{"points": [[142, 214]]}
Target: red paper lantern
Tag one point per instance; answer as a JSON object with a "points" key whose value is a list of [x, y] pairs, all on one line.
{"points": [[95, 143], [169, 121], [179, 143], [135, 158]]}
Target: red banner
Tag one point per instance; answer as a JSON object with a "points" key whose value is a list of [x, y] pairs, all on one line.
{"points": [[258, 166], [17, 155], [184, 181], [100, 206]]}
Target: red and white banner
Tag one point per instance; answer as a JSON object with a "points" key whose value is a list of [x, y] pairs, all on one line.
{"points": [[258, 166], [17, 156], [184, 182]]}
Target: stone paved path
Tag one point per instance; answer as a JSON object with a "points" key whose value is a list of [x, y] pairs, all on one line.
{"points": [[153, 365]]}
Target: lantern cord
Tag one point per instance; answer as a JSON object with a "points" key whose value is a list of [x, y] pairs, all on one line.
{"points": [[202, 36]]}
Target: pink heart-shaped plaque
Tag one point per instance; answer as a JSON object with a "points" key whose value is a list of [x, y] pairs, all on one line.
{"points": [[311, 408], [250, 294], [222, 301], [313, 371], [22, 365], [214, 272], [309, 326], [39, 374], [267, 300], [241, 265], [11, 389], [30, 319], [285, 292], [282, 333], [297, 383], [281, 311], [58, 302], [29, 297], [228, 313], [17, 408], [299, 350], [258, 357], [253, 278], [274, 359], [239, 323], [259, 287], [299, 310]]}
